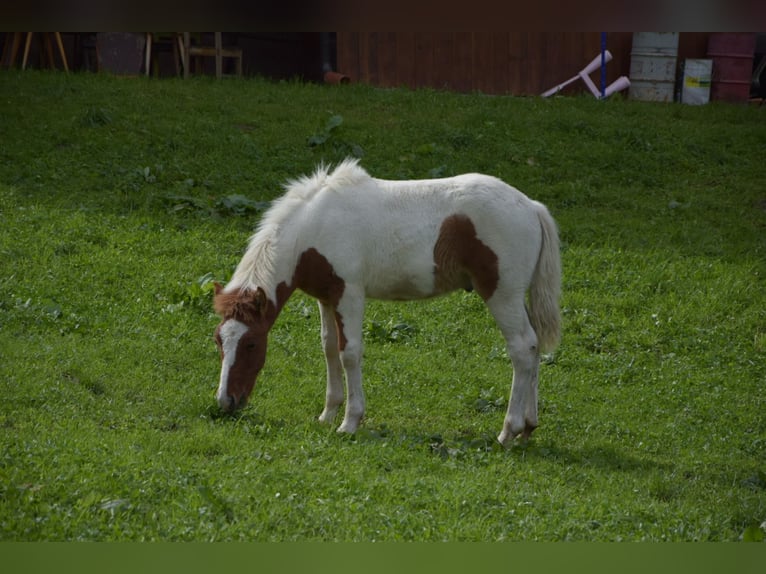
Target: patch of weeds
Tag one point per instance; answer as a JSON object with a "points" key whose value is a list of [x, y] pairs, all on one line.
{"points": [[95, 117], [329, 136], [460, 140], [231, 205], [390, 332], [45, 312], [179, 203], [321, 137], [148, 175], [466, 444], [132, 182], [196, 295], [488, 401], [240, 205]]}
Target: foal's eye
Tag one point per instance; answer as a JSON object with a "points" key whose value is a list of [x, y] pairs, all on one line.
{"points": [[250, 346]]}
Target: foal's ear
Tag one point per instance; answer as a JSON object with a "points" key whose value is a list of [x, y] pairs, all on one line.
{"points": [[217, 287], [260, 300], [256, 301]]}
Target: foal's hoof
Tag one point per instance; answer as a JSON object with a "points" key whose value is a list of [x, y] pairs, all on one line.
{"points": [[346, 429], [327, 417], [349, 426], [506, 437], [527, 432]]}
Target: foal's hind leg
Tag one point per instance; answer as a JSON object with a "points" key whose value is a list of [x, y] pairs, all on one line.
{"points": [[521, 342], [330, 346]]}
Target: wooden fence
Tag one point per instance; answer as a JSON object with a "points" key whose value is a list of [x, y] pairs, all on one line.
{"points": [[489, 62]]}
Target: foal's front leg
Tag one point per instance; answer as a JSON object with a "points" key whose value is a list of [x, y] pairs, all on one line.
{"points": [[330, 346], [349, 314]]}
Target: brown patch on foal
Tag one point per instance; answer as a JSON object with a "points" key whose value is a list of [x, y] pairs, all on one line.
{"points": [[315, 275], [341, 334], [461, 259]]}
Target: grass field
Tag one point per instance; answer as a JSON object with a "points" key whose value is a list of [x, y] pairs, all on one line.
{"points": [[121, 200]]}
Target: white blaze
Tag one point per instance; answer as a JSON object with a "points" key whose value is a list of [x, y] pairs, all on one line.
{"points": [[231, 332]]}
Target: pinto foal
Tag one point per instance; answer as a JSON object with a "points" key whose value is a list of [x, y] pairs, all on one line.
{"points": [[342, 236]]}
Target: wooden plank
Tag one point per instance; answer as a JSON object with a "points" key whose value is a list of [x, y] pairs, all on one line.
{"points": [[370, 57], [424, 60], [620, 44], [347, 57], [405, 59], [443, 47], [501, 62], [516, 61], [546, 61], [387, 61], [461, 68], [566, 58], [483, 73]]}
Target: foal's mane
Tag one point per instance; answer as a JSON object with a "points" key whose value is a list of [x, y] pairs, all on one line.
{"points": [[258, 265]]}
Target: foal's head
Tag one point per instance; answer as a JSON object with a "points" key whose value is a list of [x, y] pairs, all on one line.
{"points": [[241, 339]]}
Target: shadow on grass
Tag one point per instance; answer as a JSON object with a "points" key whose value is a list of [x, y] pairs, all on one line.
{"points": [[601, 456], [471, 445], [247, 415]]}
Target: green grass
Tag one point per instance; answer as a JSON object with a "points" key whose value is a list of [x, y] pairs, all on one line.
{"points": [[121, 199]]}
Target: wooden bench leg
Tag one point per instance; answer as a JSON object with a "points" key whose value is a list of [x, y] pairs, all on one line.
{"points": [[60, 44], [27, 45]]}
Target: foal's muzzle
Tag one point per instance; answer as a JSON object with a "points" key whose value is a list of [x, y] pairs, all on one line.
{"points": [[229, 403]]}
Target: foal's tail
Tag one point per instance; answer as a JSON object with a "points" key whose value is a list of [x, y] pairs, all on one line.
{"points": [[545, 288]]}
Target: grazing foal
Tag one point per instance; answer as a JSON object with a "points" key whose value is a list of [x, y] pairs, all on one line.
{"points": [[342, 236]]}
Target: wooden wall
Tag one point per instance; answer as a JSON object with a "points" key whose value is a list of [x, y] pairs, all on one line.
{"points": [[494, 63], [489, 62]]}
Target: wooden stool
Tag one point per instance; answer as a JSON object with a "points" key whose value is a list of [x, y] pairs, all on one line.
{"points": [[154, 40]]}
